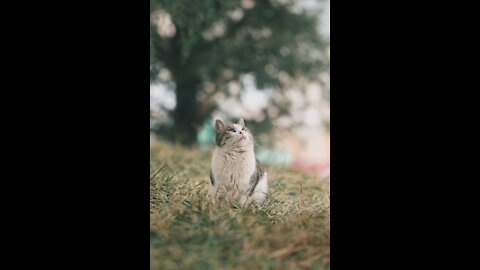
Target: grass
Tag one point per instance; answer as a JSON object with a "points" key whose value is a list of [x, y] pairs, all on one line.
{"points": [[187, 231]]}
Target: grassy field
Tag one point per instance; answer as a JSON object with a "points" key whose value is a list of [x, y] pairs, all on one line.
{"points": [[187, 231]]}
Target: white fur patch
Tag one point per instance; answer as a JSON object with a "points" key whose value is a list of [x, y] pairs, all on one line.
{"points": [[261, 190], [232, 171]]}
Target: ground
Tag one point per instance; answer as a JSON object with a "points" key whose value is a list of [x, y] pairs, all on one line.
{"points": [[187, 231]]}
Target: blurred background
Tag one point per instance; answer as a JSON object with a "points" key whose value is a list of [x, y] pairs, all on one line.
{"points": [[264, 60]]}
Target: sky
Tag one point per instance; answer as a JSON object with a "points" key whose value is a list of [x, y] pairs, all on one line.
{"points": [[324, 17], [161, 96]]}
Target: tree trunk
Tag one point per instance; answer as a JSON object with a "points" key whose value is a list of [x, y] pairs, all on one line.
{"points": [[184, 115]]}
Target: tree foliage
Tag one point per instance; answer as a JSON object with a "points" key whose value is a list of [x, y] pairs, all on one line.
{"points": [[207, 44]]}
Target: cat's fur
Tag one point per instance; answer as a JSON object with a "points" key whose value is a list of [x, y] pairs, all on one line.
{"points": [[236, 175]]}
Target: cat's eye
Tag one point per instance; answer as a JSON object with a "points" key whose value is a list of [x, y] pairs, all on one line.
{"points": [[231, 130]]}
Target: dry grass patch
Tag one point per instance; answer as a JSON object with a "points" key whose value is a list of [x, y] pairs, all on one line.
{"points": [[187, 231]]}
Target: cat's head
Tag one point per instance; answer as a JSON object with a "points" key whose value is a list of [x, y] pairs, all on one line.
{"points": [[232, 135]]}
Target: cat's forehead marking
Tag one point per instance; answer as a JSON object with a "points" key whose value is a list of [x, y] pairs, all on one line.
{"points": [[227, 126], [237, 126]]}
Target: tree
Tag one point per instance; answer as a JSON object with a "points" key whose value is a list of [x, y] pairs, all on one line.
{"points": [[206, 44]]}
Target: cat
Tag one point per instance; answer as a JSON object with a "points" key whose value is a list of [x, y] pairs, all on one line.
{"points": [[236, 175]]}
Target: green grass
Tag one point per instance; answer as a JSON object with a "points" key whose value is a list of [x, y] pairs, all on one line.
{"points": [[187, 231]]}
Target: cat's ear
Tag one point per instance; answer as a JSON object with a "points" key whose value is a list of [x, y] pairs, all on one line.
{"points": [[241, 122], [219, 124]]}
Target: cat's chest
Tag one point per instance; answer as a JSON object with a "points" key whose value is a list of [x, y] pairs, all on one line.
{"points": [[230, 167]]}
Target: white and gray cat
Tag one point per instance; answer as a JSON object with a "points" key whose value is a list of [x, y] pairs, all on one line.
{"points": [[236, 175]]}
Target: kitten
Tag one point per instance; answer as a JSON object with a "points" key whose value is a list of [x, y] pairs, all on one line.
{"points": [[235, 174]]}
